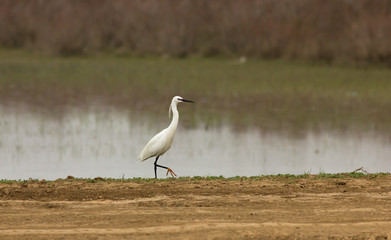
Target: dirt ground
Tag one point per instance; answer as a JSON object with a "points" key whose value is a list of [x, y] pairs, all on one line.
{"points": [[306, 208]]}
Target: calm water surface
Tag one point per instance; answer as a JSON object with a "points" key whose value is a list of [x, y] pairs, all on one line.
{"points": [[106, 143]]}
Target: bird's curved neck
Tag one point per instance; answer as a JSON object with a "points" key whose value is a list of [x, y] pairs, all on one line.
{"points": [[175, 117]]}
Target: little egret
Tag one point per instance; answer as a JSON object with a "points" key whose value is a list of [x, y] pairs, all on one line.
{"points": [[162, 141]]}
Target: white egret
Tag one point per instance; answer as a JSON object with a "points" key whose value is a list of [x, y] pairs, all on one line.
{"points": [[162, 141]]}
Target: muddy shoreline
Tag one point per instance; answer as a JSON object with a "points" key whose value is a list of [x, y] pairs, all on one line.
{"points": [[286, 208]]}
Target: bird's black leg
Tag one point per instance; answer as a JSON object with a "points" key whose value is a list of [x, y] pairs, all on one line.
{"points": [[156, 165], [168, 169]]}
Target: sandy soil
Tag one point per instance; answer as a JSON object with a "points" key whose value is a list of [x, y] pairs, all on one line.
{"points": [[216, 209]]}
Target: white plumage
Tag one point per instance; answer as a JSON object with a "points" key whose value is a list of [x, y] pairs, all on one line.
{"points": [[162, 141]]}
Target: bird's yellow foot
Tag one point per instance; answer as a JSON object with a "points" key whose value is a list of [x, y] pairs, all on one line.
{"points": [[171, 172]]}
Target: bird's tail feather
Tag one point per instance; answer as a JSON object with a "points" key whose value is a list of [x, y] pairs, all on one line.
{"points": [[140, 157]]}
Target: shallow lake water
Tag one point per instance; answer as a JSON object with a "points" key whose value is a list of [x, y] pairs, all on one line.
{"points": [[105, 143]]}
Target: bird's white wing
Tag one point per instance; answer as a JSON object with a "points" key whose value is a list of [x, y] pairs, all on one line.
{"points": [[154, 147]]}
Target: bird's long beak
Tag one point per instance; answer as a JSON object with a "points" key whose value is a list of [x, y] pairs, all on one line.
{"points": [[185, 100]]}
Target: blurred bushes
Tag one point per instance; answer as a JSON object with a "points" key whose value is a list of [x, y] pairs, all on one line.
{"points": [[352, 31]]}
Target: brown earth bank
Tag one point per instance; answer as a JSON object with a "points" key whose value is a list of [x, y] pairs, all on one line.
{"points": [[269, 208]]}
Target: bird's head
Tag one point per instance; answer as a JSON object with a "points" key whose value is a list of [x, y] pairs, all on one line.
{"points": [[175, 101], [178, 99]]}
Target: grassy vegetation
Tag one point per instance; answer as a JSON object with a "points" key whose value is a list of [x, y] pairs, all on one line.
{"points": [[353, 32], [275, 95], [319, 176]]}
